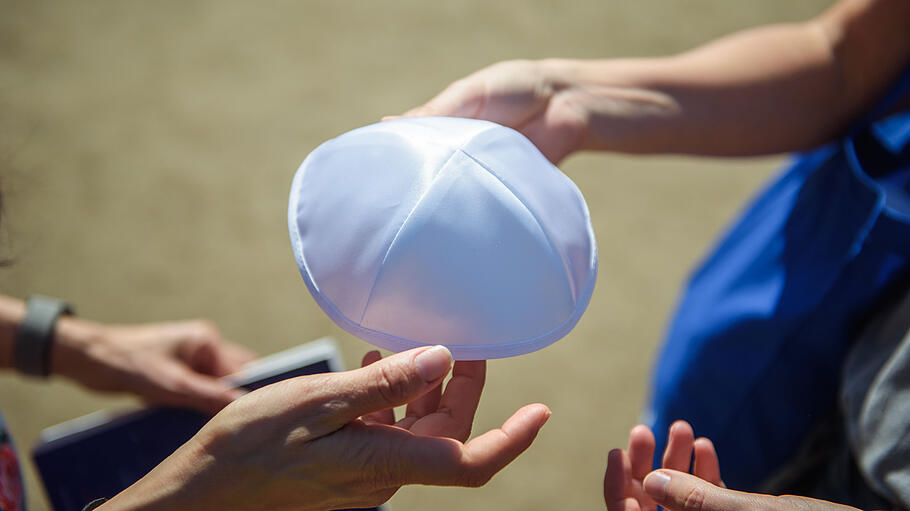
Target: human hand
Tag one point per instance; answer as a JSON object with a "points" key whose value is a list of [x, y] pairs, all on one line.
{"points": [[630, 485], [324, 442], [521, 94], [677, 491], [177, 363], [449, 414], [627, 469]]}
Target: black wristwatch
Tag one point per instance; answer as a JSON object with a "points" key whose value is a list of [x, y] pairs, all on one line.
{"points": [[35, 335]]}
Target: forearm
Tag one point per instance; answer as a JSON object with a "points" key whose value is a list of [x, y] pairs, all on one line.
{"points": [[178, 483], [11, 313], [767, 90]]}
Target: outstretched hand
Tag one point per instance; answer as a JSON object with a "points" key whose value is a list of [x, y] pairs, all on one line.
{"points": [[329, 441], [522, 95]]}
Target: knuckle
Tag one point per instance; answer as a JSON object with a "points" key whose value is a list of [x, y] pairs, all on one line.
{"points": [[393, 382], [205, 328], [463, 87], [695, 499]]}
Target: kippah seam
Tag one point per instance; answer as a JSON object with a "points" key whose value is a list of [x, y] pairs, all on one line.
{"points": [[461, 352], [366, 305], [546, 233]]}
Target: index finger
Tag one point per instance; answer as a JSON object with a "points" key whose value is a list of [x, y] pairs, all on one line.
{"points": [[641, 451]]}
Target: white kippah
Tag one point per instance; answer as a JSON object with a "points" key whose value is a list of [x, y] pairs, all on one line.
{"points": [[435, 230]]}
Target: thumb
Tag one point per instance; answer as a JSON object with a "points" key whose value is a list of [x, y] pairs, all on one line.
{"points": [[678, 491], [390, 382]]}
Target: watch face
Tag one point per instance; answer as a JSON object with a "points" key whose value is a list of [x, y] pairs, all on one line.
{"points": [[11, 495]]}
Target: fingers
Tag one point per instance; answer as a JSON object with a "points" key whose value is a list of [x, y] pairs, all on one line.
{"points": [[453, 414], [707, 465], [425, 404], [678, 454], [641, 451], [224, 358], [440, 461], [386, 416], [176, 385], [490, 452], [384, 384], [462, 98], [463, 391], [201, 346], [437, 414], [235, 357], [626, 504], [616, 479]]}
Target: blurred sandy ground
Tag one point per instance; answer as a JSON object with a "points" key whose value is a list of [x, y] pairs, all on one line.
{"points": [[147, 149]]}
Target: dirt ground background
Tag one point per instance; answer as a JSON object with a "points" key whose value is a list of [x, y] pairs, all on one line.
{"points": [[147, 150]]}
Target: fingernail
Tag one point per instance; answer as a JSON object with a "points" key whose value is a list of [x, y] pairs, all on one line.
{"points": [[434, 363], [656, 485], [545, 418]]}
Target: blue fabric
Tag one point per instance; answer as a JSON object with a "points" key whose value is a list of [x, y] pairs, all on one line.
{"points": [[753, 355]]}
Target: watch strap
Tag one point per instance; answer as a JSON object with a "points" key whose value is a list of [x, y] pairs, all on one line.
{"points": [[35, 335]]}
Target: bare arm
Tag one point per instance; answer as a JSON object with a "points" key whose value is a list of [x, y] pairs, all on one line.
{"points": [[11, 314], [771, 89], [175, 363]]}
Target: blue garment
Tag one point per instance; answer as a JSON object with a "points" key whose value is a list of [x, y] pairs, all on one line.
{"points": [[753, 356]]}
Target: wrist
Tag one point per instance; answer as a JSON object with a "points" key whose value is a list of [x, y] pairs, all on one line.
{"points": [[179, 482], [560, 74], [74, 340], [11, 313], [33, 338], [568, 115], [622, 104]]}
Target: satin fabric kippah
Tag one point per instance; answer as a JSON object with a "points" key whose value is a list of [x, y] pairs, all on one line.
{"points": [[435, 230]]}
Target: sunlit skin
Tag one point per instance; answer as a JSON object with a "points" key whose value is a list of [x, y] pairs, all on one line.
{"points": [[772, 89], [689, 480], [331, 441]]}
